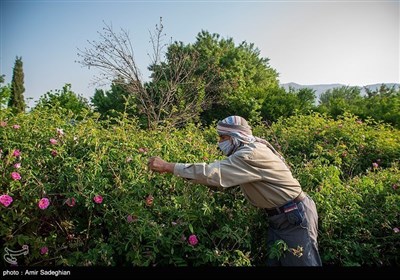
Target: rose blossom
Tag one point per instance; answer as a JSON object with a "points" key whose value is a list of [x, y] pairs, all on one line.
{"points": [[16, 153], [60, 131], [70, 202], [53, 141], [149, 200], [17, 165], [54, 153], [43, 203], [193, 240], [15, 176], [3, 123], [132, 218], [129, 219], [16, 126], [98, 199], [396, 230], [44, 250], [6, 200]]}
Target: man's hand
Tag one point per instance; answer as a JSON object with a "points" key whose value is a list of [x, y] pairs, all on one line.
{"points": [[159, 165]]}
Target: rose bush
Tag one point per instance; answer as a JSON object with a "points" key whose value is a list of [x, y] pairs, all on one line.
{"points": [[83, 195], [350, 168], [88, 197]]}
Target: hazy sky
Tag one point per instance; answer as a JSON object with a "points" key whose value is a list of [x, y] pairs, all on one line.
{"points": [[307, 42]]}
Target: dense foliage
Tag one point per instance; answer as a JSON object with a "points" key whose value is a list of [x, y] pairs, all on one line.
{"points": [[239, 77], [382, 104], [63, 100], [5, 92], [351, 169], [114, 102], [77, 191]]}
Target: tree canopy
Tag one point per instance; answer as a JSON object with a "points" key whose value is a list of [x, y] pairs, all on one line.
{"points": [[64, 99]]}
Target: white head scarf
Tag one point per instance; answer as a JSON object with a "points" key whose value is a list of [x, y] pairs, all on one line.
{"points": [[236, 127], [241, 133]]}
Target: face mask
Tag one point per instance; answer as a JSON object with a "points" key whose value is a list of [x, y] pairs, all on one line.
{"points": [[226, 147]]}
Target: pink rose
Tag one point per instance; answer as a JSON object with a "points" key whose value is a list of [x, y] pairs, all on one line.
{"points": [[132, 218], [149, 200], [17, 165], [54, 153], [98, 199], [53, 141], [70, 202], [44, 250], [16, 126], [43, 203], [16, 153], [15, 176], [193, 240], [375, 165], [6, 200], [3, 124]]}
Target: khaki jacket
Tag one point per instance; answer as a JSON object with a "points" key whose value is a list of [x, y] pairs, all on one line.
{"points": [[263, 177]]}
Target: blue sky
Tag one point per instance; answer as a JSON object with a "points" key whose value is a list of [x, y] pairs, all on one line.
{"points": [[307, 42]]}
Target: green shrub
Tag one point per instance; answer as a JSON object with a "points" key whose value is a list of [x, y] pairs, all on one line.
{"points": [[350, 168], [106, 208], [143, 219]]}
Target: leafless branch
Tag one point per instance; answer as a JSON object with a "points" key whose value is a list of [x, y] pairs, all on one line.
{"points": [[175, 93]]}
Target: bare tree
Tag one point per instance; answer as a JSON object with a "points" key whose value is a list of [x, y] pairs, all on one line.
{"points": [[175, 93]]}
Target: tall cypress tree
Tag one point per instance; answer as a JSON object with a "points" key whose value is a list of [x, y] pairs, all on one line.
{"points": [[17, 102]]}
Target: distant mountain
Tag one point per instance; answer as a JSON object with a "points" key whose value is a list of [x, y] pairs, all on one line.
{"points": [[319, 89]]}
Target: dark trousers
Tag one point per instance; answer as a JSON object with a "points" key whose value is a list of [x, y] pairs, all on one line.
{"points": [[300, 235]]}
